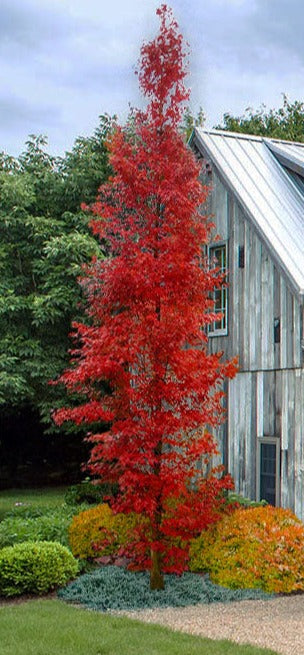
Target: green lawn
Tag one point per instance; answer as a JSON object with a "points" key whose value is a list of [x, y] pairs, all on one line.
{"points": [[45, 497], [49, 627]]}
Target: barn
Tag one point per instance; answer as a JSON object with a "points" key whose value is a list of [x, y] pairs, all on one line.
{"points": [[257, 202]]}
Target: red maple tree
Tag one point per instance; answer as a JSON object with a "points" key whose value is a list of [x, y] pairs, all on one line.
{"points": [[149, 305]]}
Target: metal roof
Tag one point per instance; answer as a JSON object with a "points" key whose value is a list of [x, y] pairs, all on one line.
{"points": [[288, 153], [265, 189]]}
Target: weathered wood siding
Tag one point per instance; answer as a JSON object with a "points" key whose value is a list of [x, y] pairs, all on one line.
{"points": [[258, 295], [268, 404], [266, 399]]}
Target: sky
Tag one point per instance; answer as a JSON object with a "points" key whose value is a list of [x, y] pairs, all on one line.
{"points": [[65, 62]]}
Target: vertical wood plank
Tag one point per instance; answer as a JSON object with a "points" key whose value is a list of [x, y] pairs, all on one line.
{"points": [[283, 319], [285, 400], [248, 469], [276, 313], [278, 405], [284, 479], [253, 336], [267, 349], [224, 427], [291, 439], [232, 424], [221, 207], [257, 309], [251, 472], [239, 346], [269, 404], [296, 333], [235, 276], [240, 438], [246, 301], [270, 314], [284, 441], [299, 435], [260, 404], [289, 329]]}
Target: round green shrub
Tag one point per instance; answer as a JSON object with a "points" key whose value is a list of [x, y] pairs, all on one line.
{"points": [[35, 568], [260, 547]]}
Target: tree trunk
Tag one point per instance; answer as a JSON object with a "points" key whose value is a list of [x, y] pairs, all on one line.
{"points": [[156, 576]]}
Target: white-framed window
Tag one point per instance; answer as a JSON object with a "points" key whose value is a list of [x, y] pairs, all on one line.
{"points": [[218, 258], [268, 469]]}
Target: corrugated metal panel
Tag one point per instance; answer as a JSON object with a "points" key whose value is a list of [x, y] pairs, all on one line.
{"points": [[266, 192]]}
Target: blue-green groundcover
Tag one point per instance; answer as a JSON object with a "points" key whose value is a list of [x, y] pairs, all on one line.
{"points": [[115, 588]]}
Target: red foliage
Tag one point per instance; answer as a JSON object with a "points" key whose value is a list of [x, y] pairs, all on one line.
{"points": [[149, 305]]}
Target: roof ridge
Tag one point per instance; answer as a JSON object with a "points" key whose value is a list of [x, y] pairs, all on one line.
{"points": [[248, 137], [236, 135], [284, 141]]}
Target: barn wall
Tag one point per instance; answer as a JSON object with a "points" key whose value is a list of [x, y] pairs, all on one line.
{"points": [[266, 399]]}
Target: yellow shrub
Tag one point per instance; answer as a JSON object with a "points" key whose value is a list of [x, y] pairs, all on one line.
{"points": [[99, 525], [261, 547]]}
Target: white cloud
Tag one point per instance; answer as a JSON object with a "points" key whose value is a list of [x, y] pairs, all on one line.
{"points": [[63, 62]]}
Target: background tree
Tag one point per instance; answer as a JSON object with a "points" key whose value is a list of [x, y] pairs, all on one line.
{"points": [[286, 122], [190, 121], [86, 167], [44, 240], [149, 304]]}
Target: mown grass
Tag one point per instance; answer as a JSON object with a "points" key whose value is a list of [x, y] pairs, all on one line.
{"points": [[45, 497], [49, 627]]}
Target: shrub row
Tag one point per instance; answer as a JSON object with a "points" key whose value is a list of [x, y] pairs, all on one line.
{"points": [[256, 547]]}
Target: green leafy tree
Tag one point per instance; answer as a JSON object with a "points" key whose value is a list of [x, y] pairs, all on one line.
{"points": [[286, 122], [44, 239], [40, 259], [86, 167], [44, 242]]}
